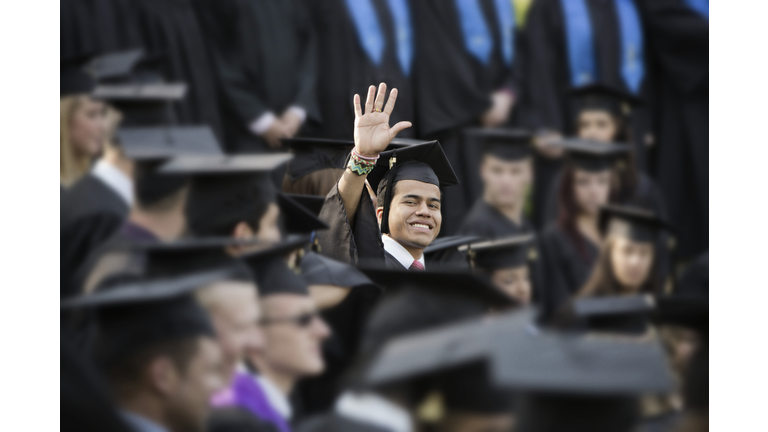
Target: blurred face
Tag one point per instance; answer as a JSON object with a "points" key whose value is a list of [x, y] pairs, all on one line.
{"points": [[506, 182], [88, 127], [189, 401], [293, 333], [591, 190], [414, 215], [269, 229], [631, 262], [234, 310], [515, 282], [476, 422], [597, 125]]}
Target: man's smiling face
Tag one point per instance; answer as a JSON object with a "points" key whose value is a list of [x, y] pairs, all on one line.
{"points": [[414, 215]]}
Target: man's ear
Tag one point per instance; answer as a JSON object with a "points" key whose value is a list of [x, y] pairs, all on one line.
{"points": [[162, 376], [379, 214]]}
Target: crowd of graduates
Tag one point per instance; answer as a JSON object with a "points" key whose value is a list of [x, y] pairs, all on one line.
{"points": [[384, 215]]}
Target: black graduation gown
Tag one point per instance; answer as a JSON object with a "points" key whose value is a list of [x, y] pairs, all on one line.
{"points": [[264, 59], [448, 259], [679, 42], [91, 212], [487, 222], [453, 90], [344, 69], [334, 422], [545, 102], [695, 279], [98, 26], [236, 419], [566, 269]]}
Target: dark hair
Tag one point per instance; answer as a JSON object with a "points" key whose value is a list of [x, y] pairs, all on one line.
{"points": [[124, 374], [569, 211], [381, 195], [215, 209], [157, 192], [602, 281]]}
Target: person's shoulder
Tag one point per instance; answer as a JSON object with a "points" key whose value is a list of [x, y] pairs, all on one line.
{"points": [[90, 195], [236, 419], [333, 422]]}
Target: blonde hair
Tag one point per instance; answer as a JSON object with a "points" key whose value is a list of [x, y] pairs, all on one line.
{"points": [[73, 165]]}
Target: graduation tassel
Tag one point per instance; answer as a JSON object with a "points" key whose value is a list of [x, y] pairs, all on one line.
{"points": [[388, 193]]}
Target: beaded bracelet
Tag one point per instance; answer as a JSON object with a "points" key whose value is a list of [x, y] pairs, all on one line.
{"points": [[361, 165]]}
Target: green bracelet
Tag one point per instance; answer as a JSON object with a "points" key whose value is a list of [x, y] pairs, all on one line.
{"points": [[360, 167]]}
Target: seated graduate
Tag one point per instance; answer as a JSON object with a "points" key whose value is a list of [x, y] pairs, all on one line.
{"points": [[506, 264], [345, 297], [506, 170], [418, 301], [407, 185], [156, 348], [293, 332], [570, 247]]}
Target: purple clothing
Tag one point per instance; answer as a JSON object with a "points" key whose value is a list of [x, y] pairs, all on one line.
{"points": [[245, 392], [131, 231]]}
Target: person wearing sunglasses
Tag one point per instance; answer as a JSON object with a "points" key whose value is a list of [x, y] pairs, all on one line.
{"points": [[293, 332]]}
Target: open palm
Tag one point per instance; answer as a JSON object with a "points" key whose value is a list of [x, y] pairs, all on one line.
{"points": [[372, 131]]}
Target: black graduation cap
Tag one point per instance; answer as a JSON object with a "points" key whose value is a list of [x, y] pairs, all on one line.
{"points": [[404, 142], [683, 311], [510, 252], [116, 65], [138, 313], [593, 155], [445, 243], [318, 269], [143, 104], [421, 162], [312, 203], [440, 283], [504, 143], [314, 154], [605, 98], [224, 165], [273, 276], [162, 143], [298, 219], [75, 77], [636, 224], [624, 314]]}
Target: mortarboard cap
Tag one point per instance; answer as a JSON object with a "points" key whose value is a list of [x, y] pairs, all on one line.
{"points": [[297, 219], [593, 155], [625, 314], [143, 104], [503, 253], [605, 98], [116, 65], [160, 143], [75, 77], [223, 165], [312, 203], [635, 224], [314, 154], [503, 143], [425, 163], [404, 142], [273, 275], [683, 311], [449, 242], [317, 269]]}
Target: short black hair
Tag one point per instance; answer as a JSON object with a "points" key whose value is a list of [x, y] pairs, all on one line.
{"points": [[156, 191]]}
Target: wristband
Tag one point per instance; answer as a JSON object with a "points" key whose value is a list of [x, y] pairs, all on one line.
{"points": [[361, 166], [354, 152]]}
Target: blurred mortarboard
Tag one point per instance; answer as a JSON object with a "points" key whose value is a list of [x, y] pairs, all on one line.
{"points": [[273, 275], [278, 250], [503, 143], [425, 163], [137, 313], [593, 155], [115, 65], [143, 104], [312, 203], [404, 142], [633, 223], [314, 154], [624, 314], [440, 283], [297, 219], [683, 311], [317, 269], [224, 165], [605, 98], [160, 143], [449, 242], [75, 77], [503, 253]]}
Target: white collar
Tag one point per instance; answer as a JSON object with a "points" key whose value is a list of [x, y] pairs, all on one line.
{"points": [[114, 179], [139, 423], [373, 409], [399, 252], [276, 398]]}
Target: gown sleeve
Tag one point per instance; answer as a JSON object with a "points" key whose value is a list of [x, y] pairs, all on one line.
{"points": [[555, 292]]}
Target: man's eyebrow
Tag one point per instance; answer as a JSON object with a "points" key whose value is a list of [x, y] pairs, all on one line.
{"points": [[419, 197]]}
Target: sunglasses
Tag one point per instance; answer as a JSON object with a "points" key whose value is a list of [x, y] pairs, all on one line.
{"points": [[303, 320]]}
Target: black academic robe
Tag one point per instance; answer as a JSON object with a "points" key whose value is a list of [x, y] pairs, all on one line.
{"points": [[567, 267], [236, 419], [487, 222], [264, 58], [545, 104], [92, 27], [695, 280], [453, 90], [344, 69], [91, 212], [679, 42], [334, 422], [447, 259]]}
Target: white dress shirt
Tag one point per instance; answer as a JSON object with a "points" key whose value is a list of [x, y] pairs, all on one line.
{"points": [[114, 179], [140, 423], [370, 408], [399, 252], [266, 120]]}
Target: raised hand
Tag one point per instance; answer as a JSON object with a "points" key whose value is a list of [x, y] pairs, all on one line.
{"points": [[372, 131]]}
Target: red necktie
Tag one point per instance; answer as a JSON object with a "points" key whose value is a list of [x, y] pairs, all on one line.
{"points": [[417, 266]]}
